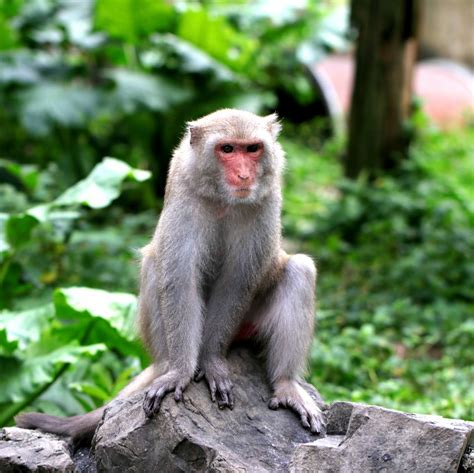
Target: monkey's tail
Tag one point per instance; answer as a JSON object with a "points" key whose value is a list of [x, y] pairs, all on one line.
{"points": [[80, 429]]}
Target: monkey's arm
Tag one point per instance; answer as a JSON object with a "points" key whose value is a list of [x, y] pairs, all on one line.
{"points": [[230, 300], [226, 309], [171, 307]]}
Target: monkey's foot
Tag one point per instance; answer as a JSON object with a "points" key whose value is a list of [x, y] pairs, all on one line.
{"points": [[291, 395], [217, 376], [170, 381]]}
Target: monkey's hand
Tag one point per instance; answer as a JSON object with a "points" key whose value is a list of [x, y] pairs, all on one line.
{"points": [[217, 376], [291, 395], [170, 381]]}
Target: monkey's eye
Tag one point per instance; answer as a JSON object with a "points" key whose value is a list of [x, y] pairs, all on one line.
{"points": [[227, 148], [253, 148]]}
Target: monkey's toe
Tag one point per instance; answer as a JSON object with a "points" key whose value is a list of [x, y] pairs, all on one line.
{"points": [[314, 422], [317, 423], [310, 418]]}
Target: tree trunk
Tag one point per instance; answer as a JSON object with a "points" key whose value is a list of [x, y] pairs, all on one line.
{"points": [[386, 50]]}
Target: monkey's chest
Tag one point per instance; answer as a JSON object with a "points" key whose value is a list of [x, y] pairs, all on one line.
{"points": [[230, 250], [211, 271]]}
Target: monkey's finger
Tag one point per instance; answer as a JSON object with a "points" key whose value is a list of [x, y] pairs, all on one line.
{"points": [[213, 389], [148, 403], [198, 375], [224, 399], [178, 394], [229, 387], [274, 403], [231, 398], [158, 398], [147, 407], [225, 390]]}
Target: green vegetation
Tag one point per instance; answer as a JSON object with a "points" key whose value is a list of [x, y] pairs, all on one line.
{"points": [[77, 83], [396, 276]]}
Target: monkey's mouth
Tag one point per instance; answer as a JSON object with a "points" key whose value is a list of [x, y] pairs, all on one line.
{"points": [[242, 191]]}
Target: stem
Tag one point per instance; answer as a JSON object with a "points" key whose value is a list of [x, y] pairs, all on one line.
{"points": [[131, 55], [10, 412], [4, 268]]}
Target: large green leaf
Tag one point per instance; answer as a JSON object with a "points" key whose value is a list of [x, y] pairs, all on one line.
{"points": [[215, 36], [97, 190], [19, 329], [131, 19], [117, 308], [28, 175], [8, 37], [47, 104], [7, 347], [76, 19], [21, 66], [19, 228], [109, 316], [193, 59], [20, 380], [102, 185], [135, 90]]}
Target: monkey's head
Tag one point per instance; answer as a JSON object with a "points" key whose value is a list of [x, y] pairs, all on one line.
{"points": [[234, 157]]}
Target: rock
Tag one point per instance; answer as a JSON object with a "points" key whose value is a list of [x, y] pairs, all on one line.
{"points": [[383, 440], [197, 436], [467, 462], [27, 450]]}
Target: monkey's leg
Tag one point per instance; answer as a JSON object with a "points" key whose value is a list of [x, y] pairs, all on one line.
{"points": [[286, 323]]}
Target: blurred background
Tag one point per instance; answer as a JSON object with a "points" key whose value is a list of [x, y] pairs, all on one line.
{"points": [[376, 100]]}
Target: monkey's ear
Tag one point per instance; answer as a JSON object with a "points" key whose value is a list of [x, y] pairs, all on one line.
{"points": [[273, 124], [195, 133]]}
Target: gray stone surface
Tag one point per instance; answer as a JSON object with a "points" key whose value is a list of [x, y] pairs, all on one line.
{"points": [[25, 450], [467, 462], [383, 440], [196, 436]]}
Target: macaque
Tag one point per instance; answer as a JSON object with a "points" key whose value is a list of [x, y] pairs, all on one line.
{"points": [[215, 268]]}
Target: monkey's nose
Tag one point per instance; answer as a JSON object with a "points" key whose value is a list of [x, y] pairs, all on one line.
{"points": [[243, 178]]}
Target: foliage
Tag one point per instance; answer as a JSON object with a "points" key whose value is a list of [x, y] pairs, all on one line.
{"points": [[38, 344], [396, 280], [82, 79], [35, 229]]}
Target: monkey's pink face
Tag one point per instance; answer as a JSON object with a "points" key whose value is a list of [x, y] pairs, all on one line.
{"points": [[239, 159]]}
